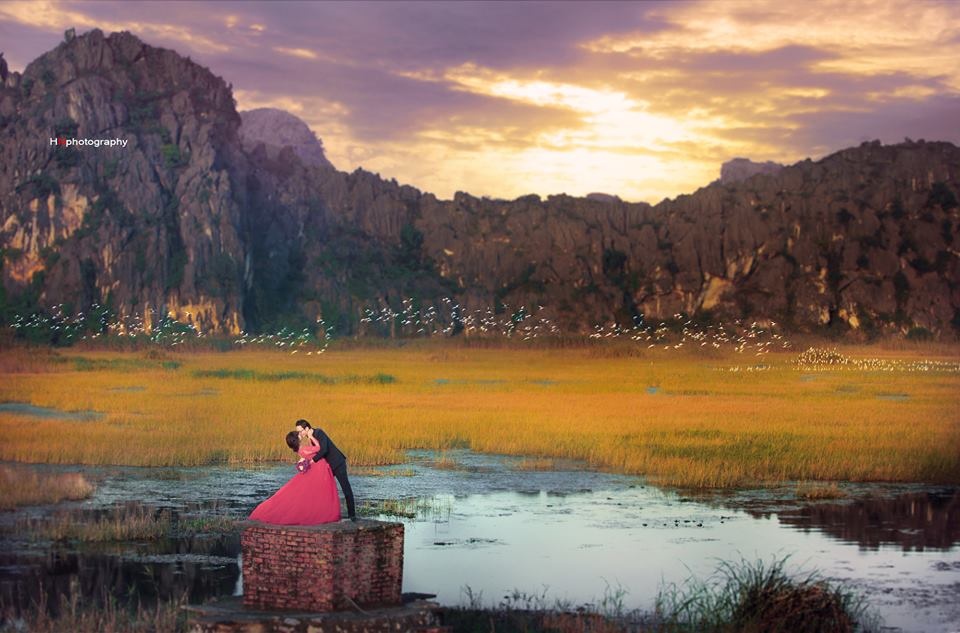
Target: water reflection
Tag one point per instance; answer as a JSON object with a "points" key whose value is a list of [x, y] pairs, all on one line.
{"points": [[914, 522], [47, 575], [576, 531]]}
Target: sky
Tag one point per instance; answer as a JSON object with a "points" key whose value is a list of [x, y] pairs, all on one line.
{"points": [[644, 100]]}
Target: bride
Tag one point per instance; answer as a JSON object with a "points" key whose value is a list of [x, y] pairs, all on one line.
{"points": [[310, 497]]}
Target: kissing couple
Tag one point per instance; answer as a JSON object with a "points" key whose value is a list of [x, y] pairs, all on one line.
{"points": [[310, 496]]}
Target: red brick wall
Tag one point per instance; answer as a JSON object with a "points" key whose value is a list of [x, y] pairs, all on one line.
{"points": [[318, 568]]}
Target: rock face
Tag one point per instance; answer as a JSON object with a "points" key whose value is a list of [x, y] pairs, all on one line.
{"points": [[153, 228], [742, 168], [278, 129], [199, 219]]}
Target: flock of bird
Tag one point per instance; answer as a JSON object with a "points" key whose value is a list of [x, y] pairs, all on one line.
{"points": [[521, 324], [452, 318], [526, 324], [449, 319], [820, 359]]}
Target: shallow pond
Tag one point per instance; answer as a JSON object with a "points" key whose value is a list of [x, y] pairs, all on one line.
{"points": [[570, 535]]}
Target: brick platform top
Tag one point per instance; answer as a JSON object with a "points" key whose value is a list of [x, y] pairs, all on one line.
{"points": [[328, 567], [339, 526]]}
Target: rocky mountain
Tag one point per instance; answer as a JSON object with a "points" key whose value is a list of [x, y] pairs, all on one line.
{"points": [[205, 217], [742, 168], [278, 129]]}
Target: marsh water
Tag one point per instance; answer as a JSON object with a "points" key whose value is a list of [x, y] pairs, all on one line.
{"points": [[486, 530]]}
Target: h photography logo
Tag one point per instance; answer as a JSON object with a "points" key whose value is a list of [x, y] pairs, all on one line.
{"points": [[62, 141]]}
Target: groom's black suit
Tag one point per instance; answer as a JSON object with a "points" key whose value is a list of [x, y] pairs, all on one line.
{"points": [[338, 464]]}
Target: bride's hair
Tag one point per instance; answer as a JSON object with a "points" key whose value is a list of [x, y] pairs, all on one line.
{"points": [[293, 441]]}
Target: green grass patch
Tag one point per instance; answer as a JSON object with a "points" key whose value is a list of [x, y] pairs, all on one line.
{"points": [[250, 374], [82, 363]]}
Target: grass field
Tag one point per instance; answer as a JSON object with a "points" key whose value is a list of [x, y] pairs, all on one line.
{"points": [[686, 418]]}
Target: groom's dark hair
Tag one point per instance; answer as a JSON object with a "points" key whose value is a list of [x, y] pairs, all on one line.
{"points": [[293, 441], [303, 423]]}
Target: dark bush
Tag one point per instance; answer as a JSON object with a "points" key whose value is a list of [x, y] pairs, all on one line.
{"points": [[755, 598], [942, 196]]}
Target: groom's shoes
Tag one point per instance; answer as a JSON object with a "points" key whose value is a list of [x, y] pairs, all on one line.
{"points": [[354, 519]]}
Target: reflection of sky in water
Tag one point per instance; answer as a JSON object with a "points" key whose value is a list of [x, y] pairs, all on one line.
{"points": [[497, 529], [576, 545]]}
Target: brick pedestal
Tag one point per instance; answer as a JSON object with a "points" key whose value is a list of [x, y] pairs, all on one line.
{"points": [[322, 567]]}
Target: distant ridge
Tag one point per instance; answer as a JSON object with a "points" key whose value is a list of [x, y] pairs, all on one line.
{"points": [[277, 129], [742, 168]]}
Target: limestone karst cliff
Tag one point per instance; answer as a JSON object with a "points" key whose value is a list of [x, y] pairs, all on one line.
{"points": [[199, 216], [278, 129], [738, 169]]}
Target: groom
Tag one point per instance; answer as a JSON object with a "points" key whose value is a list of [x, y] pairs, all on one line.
{"points": [[336, 459]]}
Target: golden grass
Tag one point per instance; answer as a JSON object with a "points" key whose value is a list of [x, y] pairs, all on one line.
{"points": [[704, 427], [23, 487]]}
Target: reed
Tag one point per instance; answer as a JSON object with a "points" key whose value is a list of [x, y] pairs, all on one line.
{"points": [[22, 487], [681, 418], [758, 596], [367, 471], [444, 462], [407, 508], [535, 464], [812, 492], [216, 524], [71, 613], [126, 523]]}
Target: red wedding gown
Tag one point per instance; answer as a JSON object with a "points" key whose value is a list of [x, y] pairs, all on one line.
{"points": [[308, 498]]}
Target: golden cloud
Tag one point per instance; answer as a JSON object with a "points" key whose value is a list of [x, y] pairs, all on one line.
{"points": [[56, 16]]}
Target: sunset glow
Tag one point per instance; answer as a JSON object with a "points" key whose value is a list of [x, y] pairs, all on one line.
{"points": [[640, 100]]}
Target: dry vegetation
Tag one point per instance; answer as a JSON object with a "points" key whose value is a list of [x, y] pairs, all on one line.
{"points": [[133, 522], [22, 486], [702, 426], [77, 616], [819, 491]]}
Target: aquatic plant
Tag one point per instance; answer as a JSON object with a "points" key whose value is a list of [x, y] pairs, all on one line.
{"points": [[408, 508], [366, 471], [806, 490], [71, 613], [538, 463], [754, 596], [130, 522], [522, 611], [217, 523]]}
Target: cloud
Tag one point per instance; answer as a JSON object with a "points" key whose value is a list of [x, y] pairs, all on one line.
{"points": [[171, 26], [644, 100]]}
